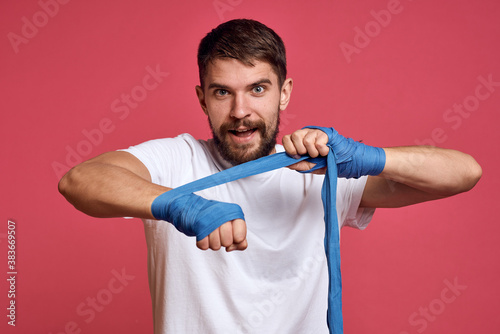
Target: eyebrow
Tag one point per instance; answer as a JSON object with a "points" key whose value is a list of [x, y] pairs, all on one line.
{"points": [[260, 82], [257, 83]]}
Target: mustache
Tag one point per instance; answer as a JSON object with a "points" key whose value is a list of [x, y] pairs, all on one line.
{"points": [[260, 125]]}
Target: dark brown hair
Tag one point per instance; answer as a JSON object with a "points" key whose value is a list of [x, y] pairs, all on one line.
{"points": [[245, 40]]}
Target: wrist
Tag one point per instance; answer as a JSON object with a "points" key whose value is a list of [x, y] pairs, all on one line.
{"points": [[354, 159]]}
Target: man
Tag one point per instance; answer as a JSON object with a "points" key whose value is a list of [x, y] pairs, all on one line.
{"points": [[279, 283]]}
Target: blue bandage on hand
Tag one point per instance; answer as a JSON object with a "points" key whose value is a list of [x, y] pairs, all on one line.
{"points": [[354, 159], [194, 215]]}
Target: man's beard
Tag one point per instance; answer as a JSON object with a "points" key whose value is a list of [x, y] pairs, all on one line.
{"points": [[244, 153]]}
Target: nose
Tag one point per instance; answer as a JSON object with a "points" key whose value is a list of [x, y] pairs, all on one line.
{"points": [[240, 108]]}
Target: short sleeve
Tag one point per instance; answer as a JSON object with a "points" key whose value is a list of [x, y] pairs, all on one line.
{"points": [[165, 158], [349, 193]]}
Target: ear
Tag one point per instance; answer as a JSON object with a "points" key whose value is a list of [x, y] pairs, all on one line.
{"points": [[201, 99], [286, 92]]}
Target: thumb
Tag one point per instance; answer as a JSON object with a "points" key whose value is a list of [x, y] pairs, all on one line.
{"points": [[302, 166]]}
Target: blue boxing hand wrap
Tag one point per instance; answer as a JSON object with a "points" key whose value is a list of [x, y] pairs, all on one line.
{"points": [[194, 215], [354, 159]]}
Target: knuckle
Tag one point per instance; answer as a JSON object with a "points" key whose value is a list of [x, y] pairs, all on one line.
{"points": [[202, 246], [295, 136], [227, 241], [238, 237], [324, 149], [308, 141]]}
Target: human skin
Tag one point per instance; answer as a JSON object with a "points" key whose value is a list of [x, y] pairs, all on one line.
{"points": [[412, 174], [235, 93], [116, 184], [236, 98]]}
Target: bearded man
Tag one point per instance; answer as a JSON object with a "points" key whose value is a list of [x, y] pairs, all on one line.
{"points": [[278, 282]]}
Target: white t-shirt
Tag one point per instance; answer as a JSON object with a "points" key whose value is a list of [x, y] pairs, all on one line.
{"points": [[279, 284]]}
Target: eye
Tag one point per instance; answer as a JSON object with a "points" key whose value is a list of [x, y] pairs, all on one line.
{"points": [[258, 89], [221, 92]]}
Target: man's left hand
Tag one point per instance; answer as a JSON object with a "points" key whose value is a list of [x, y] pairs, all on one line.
{"points": [[306, 141]]}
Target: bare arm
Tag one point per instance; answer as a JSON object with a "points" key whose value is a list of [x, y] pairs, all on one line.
{"points": [[411, 175], [117, 184], [114, 184], [417, 174]]}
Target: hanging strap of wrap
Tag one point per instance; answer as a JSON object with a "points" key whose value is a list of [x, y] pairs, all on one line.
{"points": [[195, 216]]}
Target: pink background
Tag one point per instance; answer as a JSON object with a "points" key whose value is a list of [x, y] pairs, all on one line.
{"points": [[65, 77]]}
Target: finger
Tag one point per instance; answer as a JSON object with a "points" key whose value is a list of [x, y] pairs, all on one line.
{"points": [[214, 240], [202, 244], [226, 234], [310, 144], [239, 235], [297, 140], [241, 246], [302, 166], [323, 149], [322, 143], [239, 230], [288, 146]]}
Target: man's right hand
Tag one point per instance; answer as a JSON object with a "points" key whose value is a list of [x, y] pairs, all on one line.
{"points": [[231, 235], [111, 184]]}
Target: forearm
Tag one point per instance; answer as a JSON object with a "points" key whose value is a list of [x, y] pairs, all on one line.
{"points": [[438, 171], [105, 190], [398, 176]]}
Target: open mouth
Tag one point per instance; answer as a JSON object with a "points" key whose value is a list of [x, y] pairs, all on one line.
{"points": [[243, 132]]}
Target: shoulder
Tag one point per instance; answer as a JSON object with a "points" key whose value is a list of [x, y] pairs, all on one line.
{"points": [[169, 159], [181, 145], [180, 140]]}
